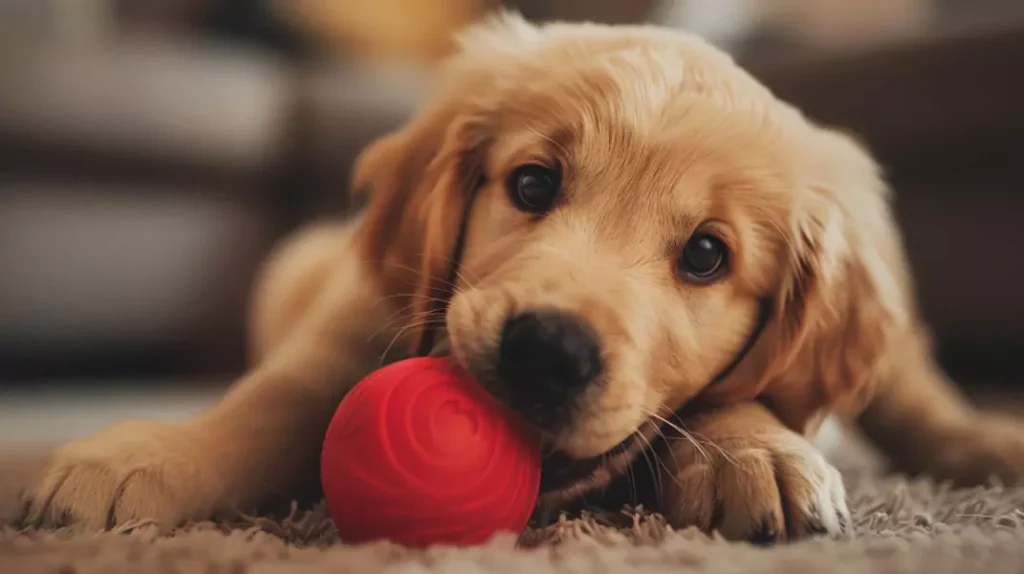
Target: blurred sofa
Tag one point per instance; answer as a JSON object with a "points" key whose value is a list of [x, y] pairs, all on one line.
{"points": [[142, 181]]}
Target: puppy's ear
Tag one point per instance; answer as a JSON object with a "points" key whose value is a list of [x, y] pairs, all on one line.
{"points": [[420, 181], [840, 300]]}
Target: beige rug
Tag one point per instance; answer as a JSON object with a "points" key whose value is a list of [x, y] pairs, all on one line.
{"points": [[901, 526]]}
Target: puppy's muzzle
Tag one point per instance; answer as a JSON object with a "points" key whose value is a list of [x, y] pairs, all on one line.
{"points": [[546, 359]]}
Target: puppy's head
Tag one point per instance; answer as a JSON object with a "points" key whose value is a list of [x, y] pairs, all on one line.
{"points": [[608, 223]]}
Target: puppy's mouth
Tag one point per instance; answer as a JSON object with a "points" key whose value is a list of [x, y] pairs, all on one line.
{"points": [[560, 470]]}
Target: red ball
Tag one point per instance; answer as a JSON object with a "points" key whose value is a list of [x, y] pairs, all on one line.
{"points": [[419, 454]]}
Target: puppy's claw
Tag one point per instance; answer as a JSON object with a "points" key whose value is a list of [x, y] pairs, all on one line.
{"points": [[767, 532], [814, 525]]}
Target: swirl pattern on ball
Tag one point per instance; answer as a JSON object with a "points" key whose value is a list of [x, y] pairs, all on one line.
{"points": [[418, 453]]}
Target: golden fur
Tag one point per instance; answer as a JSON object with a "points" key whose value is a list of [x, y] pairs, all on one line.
{"points": [[659, 135]]}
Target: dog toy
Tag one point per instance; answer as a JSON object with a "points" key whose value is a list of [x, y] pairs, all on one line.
{"points": [[419, 454]]}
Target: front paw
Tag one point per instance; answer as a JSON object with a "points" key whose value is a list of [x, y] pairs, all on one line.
{"points": [[742, 474], [131, 471]]}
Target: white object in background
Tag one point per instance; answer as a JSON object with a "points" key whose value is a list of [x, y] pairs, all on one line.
{"points": [[65, 21], [724, 23], [815, 23]]}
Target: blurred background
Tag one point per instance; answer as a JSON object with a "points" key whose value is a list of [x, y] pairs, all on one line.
{"points": [[152, 152]]}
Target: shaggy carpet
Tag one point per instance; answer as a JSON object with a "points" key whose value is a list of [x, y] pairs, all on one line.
{"points": [[900, 526]]}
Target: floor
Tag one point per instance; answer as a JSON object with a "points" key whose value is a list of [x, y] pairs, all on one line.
{"points": [[912, 527]]}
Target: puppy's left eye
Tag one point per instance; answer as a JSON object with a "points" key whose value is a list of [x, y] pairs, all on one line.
{"points": [[534, 188], [704, 259]]}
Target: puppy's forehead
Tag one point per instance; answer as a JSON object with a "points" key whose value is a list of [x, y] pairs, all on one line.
{"points": [[642, 112], [584, 84], [650, 111], [634, 72]]}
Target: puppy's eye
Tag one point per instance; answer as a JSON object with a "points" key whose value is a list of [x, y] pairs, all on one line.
{"points": [[534, 188], [704, 259]]}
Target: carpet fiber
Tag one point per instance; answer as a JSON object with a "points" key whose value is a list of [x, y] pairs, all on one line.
{"points": [[900, 526]]}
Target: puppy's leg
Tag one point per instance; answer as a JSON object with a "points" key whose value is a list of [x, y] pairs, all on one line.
{"points": [[292, 280], [918, 418], [262, 437], [739, 471]]}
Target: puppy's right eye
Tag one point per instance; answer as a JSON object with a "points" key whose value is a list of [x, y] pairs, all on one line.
{"points": [[534, 188], [704, 259]]}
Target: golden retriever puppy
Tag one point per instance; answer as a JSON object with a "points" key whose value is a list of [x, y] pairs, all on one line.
{"points": [[633, 244]]}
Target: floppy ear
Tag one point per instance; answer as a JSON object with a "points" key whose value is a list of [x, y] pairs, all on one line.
{"points": [[421, 181], [840, 300]]}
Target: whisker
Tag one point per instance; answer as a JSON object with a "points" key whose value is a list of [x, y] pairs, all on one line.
{"points": [[408, 306], [464, 279], [661, 434], [724, 453], [454, 265], [675, 463], [415, 286], [399, 334], [634, 495], [703, 439], [397, 316], [446, 282], [684, 433], [415, 296], [659, 481], [695, 438], [652, 466]]}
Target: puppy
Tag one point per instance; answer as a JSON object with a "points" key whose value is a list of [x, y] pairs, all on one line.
{"points": [[629, 241]]}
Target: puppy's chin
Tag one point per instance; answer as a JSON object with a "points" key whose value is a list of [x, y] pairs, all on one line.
{"points": [[564, 480], [561, 470], [592, 431]]}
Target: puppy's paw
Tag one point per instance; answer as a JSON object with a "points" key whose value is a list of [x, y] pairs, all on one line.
{"points": [[131, 471], [757, 482]]}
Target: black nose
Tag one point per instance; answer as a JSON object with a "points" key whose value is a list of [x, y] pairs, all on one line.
{"points": [[548, 356]]}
